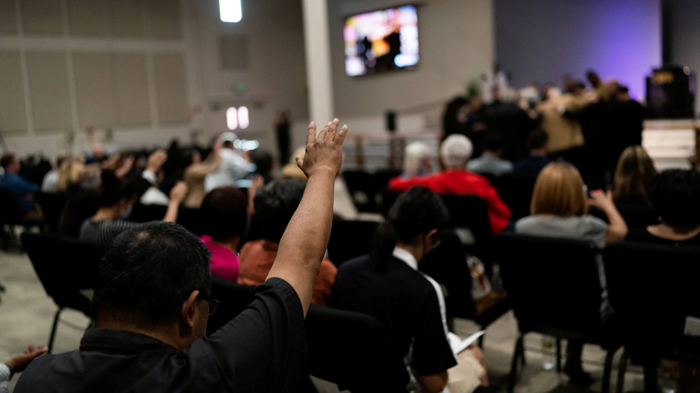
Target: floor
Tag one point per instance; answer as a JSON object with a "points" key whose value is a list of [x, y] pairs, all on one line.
{"points": [[26, 314]]}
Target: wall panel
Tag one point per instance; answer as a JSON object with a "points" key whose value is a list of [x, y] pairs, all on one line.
{"points": [[95, 89], [42, 17], [48, 83], [170, 88], [88, 18], [165, 19], [127, 19], [12, 110], [8, 17]]}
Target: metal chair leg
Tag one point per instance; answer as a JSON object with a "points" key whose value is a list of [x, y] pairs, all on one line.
{"points": [[518, 352], [54, 328], [622, 369], [607, 371], [558, 355]]}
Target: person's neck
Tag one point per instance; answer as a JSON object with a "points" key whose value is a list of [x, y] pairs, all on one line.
{"points": [[119, 321], [230, 244], [538, 153], [491, 153], [415, 250], [107, 213], [11, 171], [667, 231]]}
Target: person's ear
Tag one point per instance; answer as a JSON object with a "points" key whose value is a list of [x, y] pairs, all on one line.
{"points": [[187, 315], [430, 240]]}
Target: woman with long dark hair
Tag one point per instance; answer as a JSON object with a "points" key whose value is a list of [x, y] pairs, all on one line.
{"points": [[388, 285]]}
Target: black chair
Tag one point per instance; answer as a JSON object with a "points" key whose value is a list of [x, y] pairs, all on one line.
{"points": [[52, 205], [383, 176], [555, 290], [11, 216], [349, 239], [147, 213], [65, 267], [515, 189], [653, 290], [346, 348], [471, 212], [362, 189]]}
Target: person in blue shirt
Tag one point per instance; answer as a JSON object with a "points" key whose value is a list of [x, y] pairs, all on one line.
{"points": [[20, 187], [537, 159]]}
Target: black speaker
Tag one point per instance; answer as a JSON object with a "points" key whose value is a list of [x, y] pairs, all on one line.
{"points": [[671, 93], [390, 117]]}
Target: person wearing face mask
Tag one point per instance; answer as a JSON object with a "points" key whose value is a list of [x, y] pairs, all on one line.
{"points": [[388, 285], [116, 197]]}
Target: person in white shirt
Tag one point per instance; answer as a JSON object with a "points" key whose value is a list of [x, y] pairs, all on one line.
{"points": [[490, 162], [233, 166], [153, 195], [50, 182]]}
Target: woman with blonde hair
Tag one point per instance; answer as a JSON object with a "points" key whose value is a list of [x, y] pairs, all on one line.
{"points": [[633, 177], [559, 209]]}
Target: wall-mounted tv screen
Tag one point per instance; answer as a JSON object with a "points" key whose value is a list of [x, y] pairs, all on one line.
{"points": [[381, 41]]}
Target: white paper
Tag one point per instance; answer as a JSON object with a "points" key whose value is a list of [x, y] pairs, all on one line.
{"points": [[458, 345]]}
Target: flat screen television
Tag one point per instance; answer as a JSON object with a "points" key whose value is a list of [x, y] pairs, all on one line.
{"points": [[381, 41]]}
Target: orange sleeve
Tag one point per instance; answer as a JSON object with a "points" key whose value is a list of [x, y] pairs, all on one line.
{"points": [[324, 283]]}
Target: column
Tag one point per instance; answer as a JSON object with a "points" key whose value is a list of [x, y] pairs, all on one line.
{"points": [[318, 61]]}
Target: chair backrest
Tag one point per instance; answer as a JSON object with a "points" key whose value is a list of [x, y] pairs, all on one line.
{"points": [[350, 239], [147, 213], [52, 205], [382, 177], [352, 350], [553, 283], [515, 189], [637, 216], [362, 189], [653, 289], [347, 348], [10, 212], [64, 266]]}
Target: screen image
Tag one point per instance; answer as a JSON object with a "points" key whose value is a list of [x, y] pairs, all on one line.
{"points": [[381, 41]]}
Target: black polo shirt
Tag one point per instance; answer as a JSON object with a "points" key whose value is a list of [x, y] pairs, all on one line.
{"points": [[263, 349], [406, 302]]}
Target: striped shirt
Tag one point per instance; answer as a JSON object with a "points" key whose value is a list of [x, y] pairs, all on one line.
{"points": [[103, 232]]}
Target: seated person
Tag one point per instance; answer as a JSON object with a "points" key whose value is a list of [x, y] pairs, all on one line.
{"points": [[50, 182], [153, 298], [633, 177], [20, 187], [196, 171], [675, 196], [233, 165], [388, 285], [490, 161], [416, 160], [455, 152], [224, 211], [116, 198], [559, 209], [537, 158], [274, 206]]}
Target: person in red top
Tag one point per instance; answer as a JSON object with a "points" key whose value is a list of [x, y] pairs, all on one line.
{"points": [[455, 152]]}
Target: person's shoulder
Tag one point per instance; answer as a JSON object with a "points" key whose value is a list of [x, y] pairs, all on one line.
{"points": [[526, 222], [355, 264], [594, 222], [43, 372]]}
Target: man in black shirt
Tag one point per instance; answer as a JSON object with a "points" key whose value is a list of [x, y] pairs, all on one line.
{"points": [[152, 303]]}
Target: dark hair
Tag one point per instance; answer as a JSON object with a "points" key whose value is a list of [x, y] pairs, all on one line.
{"points": [[263, 161], [60, 160], [493, 141], [416, 211], [150, 270], [225, 213], [579, 85], [186, 157], [536, 139], [228, 144], [6, 160], [113, 189], [275, 205], [622, 90], [675, 195]]}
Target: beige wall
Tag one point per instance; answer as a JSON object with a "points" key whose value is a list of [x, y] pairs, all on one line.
{"points": [[456, 46]]}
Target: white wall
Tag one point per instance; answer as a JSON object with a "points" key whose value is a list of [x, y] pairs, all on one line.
{"points": [[456, 46]]}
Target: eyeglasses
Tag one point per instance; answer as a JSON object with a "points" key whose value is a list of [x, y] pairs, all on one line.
{"points": [[213, 303]]}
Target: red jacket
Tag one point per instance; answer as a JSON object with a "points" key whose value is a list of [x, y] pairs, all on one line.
{"points": [[461, 182]]}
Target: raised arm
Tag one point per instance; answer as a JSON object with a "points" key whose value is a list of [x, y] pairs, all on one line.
{"points": [[304, 242], [617, 230]]}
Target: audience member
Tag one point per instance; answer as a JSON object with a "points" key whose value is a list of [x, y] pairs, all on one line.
{"points": [[388, 285], [153, 298], [233, 166], [224, 211], [633, 176], [98, 155], [196, 171], [116, 197], [455, 153], [490, 162], [22, 189], [559, 209], [18, 364], [675, 196], [154, 175], [537, 158], [416, 161], [274, 207], [50, 182], [264, 164], [626, 124]]}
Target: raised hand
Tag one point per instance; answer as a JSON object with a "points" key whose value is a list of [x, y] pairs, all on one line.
{"points": [[323, 151], [178, 193], [156, 160], [19, 363]]}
